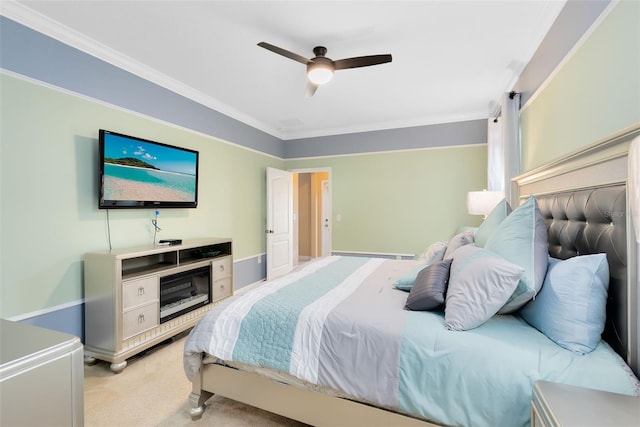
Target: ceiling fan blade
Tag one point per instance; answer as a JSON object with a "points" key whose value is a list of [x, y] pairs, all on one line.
{"points": [[284, 52], [310, 89], [361, 61]]}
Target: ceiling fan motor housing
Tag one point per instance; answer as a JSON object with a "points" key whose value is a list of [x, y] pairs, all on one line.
{"points": [[319, 51]]}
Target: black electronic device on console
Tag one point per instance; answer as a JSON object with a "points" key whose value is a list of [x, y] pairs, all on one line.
{"points": [[170, 242]]}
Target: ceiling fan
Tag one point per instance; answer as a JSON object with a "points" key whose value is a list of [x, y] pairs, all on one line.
{"points": [[320, 69]]}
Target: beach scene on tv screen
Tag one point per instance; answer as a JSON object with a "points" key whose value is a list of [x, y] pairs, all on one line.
{"points": [[139, 171]]}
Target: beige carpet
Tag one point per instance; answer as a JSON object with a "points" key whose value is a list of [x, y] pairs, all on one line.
{"points": [[153, 391]]}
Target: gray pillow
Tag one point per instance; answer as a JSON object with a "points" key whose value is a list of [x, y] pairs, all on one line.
{"points": [[480, 283], [458, 241], [430, 287]]}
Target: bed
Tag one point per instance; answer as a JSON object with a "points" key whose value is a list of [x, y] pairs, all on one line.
{"points": [[338, 346]]}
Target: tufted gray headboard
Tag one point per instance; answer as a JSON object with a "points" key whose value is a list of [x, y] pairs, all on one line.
{"points": [[583, 197], [588, 222]]}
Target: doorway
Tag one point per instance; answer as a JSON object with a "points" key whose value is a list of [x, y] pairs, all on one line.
{"points": [[311, 214]]}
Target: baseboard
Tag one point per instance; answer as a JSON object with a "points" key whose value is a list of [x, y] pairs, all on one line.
{"points": [[67, 318], [374, 254]]}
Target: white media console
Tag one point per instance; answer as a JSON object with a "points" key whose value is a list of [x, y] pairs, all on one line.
{"points": [[138, 297]]}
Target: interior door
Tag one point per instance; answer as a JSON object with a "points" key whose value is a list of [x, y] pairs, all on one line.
{"points": [[279, 222], [326, 219]]}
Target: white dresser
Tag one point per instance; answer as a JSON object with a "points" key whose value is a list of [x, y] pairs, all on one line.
{"points": [[41, 377]]}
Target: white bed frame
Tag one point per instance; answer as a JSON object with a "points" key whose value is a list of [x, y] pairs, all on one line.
{"points": [[601, 163]]}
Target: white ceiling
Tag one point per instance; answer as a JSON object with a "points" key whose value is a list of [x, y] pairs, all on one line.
{"points": [[452, 59]]}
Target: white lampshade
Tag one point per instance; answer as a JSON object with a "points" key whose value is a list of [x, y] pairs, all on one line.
{"points": [[320, 72], [483, 202]]}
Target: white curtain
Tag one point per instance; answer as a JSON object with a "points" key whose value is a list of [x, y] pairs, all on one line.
{"points": [[503, 147], [511, 142], [495, 181]]}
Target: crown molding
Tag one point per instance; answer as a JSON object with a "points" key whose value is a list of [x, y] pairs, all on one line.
{"points": [[64, 34]]}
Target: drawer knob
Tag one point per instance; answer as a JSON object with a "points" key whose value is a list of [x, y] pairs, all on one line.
{"points": [[140, 318], [141, 291]]}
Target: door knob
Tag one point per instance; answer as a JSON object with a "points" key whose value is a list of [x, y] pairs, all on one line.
{"points": [[268, 231]]}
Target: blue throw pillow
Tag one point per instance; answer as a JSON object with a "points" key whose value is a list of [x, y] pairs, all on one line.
{"points": [[434, 253], [571, 307], [522, 239], [406, 281]]}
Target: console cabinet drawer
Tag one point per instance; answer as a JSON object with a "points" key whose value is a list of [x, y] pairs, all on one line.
{"points": [[139, 291], [140, 319], [221, 268], [221, 289]]}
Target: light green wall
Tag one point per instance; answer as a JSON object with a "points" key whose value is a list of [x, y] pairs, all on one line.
{"points": [[49, 173], [396, 202], [594, 94], [400, 202]]}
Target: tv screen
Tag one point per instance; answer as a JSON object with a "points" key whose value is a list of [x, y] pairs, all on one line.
{"points": [[138, 173]]}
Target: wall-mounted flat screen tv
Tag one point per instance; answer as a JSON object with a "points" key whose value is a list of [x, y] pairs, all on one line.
{"points": [[138, 173]]}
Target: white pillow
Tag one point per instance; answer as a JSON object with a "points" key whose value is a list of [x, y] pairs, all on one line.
{"points": [[434, 253], [480, 282]]}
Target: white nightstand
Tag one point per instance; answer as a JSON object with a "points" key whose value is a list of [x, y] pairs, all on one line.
{"points": [[564, 405]]}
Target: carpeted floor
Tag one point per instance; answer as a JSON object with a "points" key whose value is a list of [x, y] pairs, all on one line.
{"points": [[153, 391]]}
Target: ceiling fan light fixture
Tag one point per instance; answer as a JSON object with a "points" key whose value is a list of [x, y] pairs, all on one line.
{"points": [[320, 69], [319, 73]]}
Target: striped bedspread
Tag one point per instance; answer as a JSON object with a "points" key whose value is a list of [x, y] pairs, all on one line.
{"points": [[339, 323]]}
